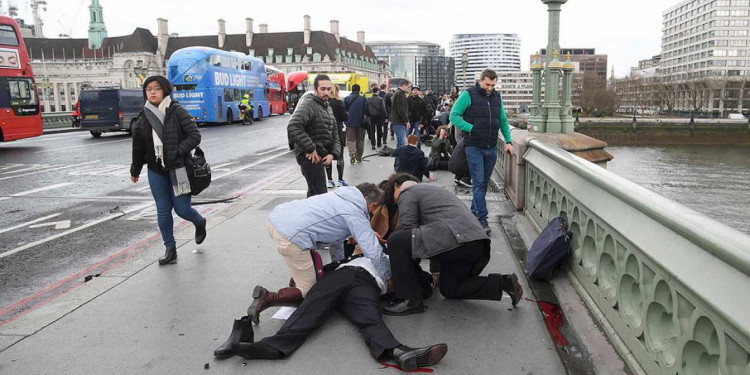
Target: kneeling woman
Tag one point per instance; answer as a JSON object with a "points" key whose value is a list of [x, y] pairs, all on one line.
{"points": [[165, 133]]}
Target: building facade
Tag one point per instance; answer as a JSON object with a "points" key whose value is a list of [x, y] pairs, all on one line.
{"points": [[500, 52], [586, 59], [516, 88], [706, 55], [422, 63], [63, 66]]}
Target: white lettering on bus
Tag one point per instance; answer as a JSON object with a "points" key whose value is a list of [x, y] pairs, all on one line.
{"points": [[227, 79], [185, 95]]}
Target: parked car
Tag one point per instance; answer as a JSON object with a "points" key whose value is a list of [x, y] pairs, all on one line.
{"points": [[737, 116], [110, 110]]}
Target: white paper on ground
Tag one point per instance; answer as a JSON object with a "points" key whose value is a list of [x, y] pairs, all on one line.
{"points": [[284, 313]]}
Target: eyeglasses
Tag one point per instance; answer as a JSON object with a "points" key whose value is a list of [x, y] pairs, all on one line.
{"points": [[153, 89]]}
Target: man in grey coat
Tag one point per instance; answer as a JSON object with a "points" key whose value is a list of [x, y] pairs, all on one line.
{"points": [[436, 225], [377, 116]]}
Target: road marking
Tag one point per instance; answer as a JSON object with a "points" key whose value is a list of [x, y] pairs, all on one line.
{"points": [[70, 231], [50, 170], [108, 169], [27, 192], [271, 151], [64, 224], [29, 222], [254, 131], [89, 145], [32, 167], [240, 169]]}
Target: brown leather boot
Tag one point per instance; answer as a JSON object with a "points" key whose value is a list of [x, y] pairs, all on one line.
{"points": [[263, 299]]}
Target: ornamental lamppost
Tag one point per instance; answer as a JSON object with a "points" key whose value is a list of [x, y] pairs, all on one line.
{"points": [[464, 64], [140, 71]]}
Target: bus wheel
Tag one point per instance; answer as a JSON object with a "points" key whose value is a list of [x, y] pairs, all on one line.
{"points": [[260, 113], [95, 134], [230, 119]]}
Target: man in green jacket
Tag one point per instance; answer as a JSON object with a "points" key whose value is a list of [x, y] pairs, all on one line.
{"points": [[479, 113], [400, 113]]}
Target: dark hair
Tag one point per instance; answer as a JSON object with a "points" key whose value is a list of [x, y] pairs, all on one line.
{"points": [[390, 186], [320, 77], [163, 83], [375, 90], [371, 193], [403, 82], [488, 73], [355, 88], [383, 86]]}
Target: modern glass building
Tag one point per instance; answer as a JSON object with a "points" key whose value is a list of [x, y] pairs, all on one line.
{"points": [[500, 52], [422, 63]]}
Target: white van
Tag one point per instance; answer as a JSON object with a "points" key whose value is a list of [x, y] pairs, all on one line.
{"points": [[737, 116]]}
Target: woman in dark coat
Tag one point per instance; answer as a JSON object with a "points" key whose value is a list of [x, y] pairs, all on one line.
{"points": [[165, 133], [339, 111], [434, 224]]}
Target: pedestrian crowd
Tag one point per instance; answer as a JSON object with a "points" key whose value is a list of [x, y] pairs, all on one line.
{"points": [[376, 234]]}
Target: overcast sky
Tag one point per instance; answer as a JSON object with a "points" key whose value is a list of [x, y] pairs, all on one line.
{"points": [[626, 31]]}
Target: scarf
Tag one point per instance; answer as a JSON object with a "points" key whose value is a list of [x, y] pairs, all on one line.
{"points": [[155, 116]]}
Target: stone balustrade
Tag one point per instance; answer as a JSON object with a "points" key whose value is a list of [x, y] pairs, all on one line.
{"points": [[670, 286]]}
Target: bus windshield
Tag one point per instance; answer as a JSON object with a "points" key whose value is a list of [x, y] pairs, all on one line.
{"points": [[8, 36], [17, 92]]}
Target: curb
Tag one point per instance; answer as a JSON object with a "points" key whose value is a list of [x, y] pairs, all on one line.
{"points": [[60, 130]]}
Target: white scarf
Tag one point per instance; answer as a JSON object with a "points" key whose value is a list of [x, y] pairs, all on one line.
{"points": [[158, 145]]}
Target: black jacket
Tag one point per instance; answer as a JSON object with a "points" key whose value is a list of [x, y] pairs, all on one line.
{"points": [[399, 108], [484, 114], [411, 160], [312, 128], [388, 97], [417, 109], [181, 136], [339, 112], [458, 164]]}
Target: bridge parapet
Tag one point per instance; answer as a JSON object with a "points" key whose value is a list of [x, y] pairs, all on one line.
{"points": [[671, 286]]}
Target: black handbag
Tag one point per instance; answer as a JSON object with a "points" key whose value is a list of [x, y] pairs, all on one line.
{"points": [[198, 171]]}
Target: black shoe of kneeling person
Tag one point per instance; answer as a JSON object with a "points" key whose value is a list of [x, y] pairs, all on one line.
{"points": [[411, 359], [404, 307], [200, 232], [170, 256], [242, 331]]}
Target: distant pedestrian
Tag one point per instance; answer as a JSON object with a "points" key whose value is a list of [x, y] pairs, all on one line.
{"points": [[400, 112], [313, 132], [377, 114], [357, 124], [164, 133], [388, 96], [479, 113], [410, 159], [339, 112], [417, 113]]}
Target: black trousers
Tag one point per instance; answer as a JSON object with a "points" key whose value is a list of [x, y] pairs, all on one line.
{"points": [[355, 294], [378, 133], [459, 276], [315, 175], [340, 161]]}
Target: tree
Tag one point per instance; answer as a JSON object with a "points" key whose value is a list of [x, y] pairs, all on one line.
{"points": [[666, 92], [697, 97], [593, 87]]}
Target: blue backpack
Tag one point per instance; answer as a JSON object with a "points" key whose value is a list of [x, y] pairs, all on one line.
{"points": [[550, 250]]}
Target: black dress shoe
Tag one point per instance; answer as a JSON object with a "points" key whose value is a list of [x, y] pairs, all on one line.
{"points": [[170, 256], [200, 232], [404, 307], [411, 359], [242, 331], [509, 284]]}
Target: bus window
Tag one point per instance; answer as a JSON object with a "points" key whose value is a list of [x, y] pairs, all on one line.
{"points": [[8, 36], [237, 96], [215, 60], [228, 95], [21, 91]]}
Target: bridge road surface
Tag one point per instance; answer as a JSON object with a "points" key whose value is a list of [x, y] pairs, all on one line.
{"points": [[67, 203]]}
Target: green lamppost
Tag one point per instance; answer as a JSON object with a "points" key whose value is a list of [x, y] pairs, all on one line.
{"points": [[464, 64]]}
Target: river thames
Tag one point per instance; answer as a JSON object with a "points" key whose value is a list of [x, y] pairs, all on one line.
{"points": [[714, 180]]}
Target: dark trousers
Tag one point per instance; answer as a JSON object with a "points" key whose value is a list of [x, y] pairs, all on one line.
{"points": [[379, 133], [315, 175], [340, 161], [459, 276], [355, 294]]}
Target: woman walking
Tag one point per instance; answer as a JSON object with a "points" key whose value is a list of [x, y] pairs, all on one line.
{"points": [[339, 111], [165, 133]]}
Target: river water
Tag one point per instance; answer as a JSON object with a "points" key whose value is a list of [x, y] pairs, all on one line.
{"points": [[714, 180]]}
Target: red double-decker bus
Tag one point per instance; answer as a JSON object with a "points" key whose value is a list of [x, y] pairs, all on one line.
{"points": [[275, 90], [296, 87], [20, 115]]}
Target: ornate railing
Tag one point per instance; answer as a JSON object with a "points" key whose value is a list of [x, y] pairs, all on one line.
{"points": [[673, 284], [56, 120]]}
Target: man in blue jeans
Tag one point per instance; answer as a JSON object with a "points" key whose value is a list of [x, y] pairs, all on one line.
{"points": [[399, 116], [479, 113]]}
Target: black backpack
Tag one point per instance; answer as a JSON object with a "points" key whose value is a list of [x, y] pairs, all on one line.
{"points": [[550, 250]]}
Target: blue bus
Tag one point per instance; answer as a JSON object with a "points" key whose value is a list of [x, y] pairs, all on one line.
{"points": [[210, 83]]}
